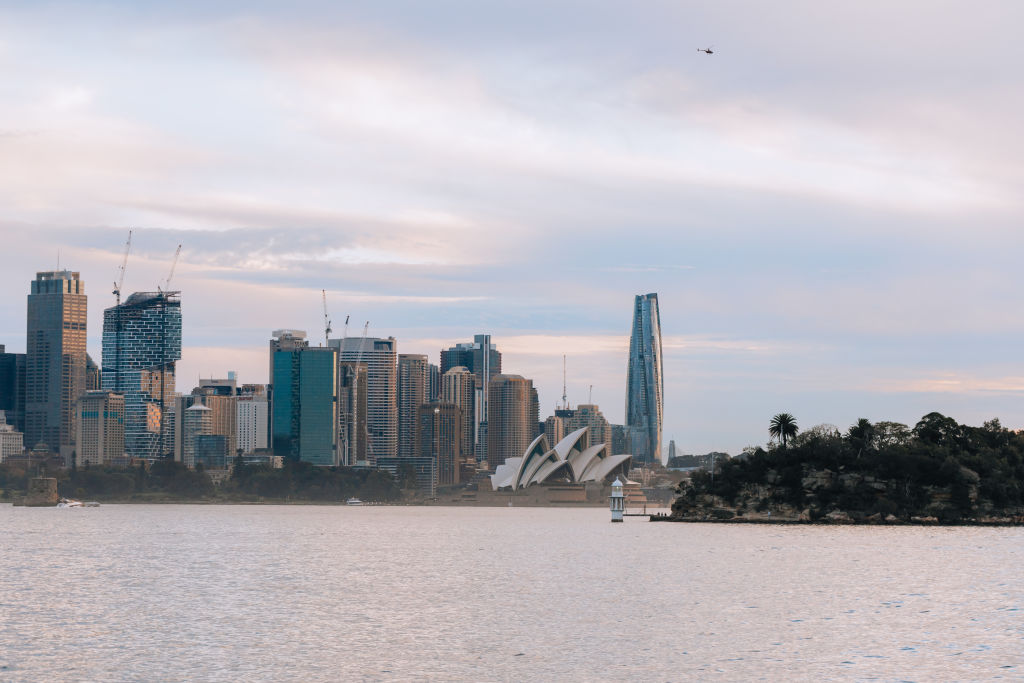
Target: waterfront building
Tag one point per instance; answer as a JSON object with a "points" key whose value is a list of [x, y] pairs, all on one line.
{"points": [[54, 359], [352, 407], [645, 385], [482, 358], [99, 435], [12, 388], [439, 438], [210, 450], [413, 373], [424, 469], [141, 343], [252, 421], [12, 442], [380, 357], [458, 387], [575, 459], [512, 420], [303, 408]]}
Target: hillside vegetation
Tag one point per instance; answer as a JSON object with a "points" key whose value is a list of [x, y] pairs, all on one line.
{"points": [[938, 471]]}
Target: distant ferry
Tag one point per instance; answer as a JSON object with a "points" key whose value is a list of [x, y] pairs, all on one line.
{"points": [[69, 503], [354, 501]]}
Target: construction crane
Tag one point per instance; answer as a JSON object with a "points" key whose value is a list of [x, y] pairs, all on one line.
{"points": [[327, 320], [174, 263], [124, 266]]}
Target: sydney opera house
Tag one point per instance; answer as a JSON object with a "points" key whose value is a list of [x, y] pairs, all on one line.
{"points": [[572, 460]]}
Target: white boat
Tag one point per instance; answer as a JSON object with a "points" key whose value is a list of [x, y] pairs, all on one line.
{"points": [[354, 501], [69, 503]]}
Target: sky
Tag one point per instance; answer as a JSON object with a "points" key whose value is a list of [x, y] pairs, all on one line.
{"points": [[828, 206]]}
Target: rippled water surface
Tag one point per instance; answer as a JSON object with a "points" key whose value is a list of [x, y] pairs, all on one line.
{"points": [[228, 593]]}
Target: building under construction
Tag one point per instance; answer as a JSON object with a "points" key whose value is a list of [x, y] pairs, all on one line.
{"points": [[141, 343]]}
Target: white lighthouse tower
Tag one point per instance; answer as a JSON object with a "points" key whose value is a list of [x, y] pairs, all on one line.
{"points": [[617, 501]]}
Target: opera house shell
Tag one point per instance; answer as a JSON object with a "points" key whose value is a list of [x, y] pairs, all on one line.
{"points": [[571, 459]]}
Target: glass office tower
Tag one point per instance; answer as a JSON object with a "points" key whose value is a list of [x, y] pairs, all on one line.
{"points": [[645, 385]]}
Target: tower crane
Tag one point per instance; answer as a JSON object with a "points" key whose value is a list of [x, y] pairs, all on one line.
{"points": [[174, 263], [124, 266], [327, 320]]}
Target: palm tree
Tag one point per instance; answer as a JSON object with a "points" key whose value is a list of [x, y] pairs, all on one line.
{"points": [[783, 428]]}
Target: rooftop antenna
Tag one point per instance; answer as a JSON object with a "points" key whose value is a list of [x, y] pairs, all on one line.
{"points": [[565, 397]]}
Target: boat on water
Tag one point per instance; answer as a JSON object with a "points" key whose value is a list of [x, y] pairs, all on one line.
{"points": [[354, 501], [70, 503]]}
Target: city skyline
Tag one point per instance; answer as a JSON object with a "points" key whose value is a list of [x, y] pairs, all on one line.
{"points": [[831, 237]]}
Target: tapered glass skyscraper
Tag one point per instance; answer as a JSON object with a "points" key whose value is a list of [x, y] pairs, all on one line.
{"points": [[645, 386]]}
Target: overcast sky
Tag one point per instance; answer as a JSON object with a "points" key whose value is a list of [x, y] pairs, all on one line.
{"points": [[829, 206]]}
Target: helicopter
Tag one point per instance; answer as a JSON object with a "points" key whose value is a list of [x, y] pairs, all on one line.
{"points": [[708, 50]]}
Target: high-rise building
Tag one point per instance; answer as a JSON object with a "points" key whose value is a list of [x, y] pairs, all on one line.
{"points": [[252, 422], [92, 375], [587, 415], [380, 357], [671, 449], [141, 343], [12, 388], [645, 385], [304, 406], [285, 340], [12, 442], [352, 390], [433, 383], [99, 436], [554, 429], [620, 440], [54, 359], [458, 387], [512, 421], [221, 397], [438, 437], [413, 373], [195, 422], [483, 359]]}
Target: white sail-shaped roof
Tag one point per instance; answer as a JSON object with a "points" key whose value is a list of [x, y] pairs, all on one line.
{"points": [[567, 459]]}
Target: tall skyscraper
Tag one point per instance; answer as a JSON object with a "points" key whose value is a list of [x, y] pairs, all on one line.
{"points": [[512, 418], [554, 429], [99, 437], [285, 340], [141, 343], [303, 408], [413, 374], [483, 359], [221, 397], [439, 431], [12, 388], [645, 385], [458, 387], [380, 357], [195, 422], [54, 359]]}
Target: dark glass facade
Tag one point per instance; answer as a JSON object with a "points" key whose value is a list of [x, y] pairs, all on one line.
{"points": [[645, 386], [304, 421], [12, 388]]}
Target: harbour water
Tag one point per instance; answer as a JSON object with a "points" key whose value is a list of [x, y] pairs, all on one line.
{"points": [[303, 593]]}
